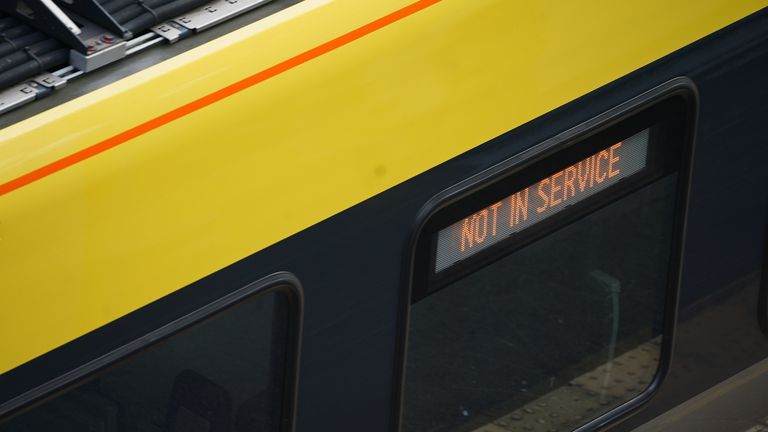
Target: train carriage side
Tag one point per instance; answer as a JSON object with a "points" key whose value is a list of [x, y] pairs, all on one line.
{"points": [[410, 215]]}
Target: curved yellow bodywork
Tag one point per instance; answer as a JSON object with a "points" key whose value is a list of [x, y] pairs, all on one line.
{"points": [[103, 237]]}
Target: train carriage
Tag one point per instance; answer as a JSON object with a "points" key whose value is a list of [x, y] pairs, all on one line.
{"points": [[391, 215]]}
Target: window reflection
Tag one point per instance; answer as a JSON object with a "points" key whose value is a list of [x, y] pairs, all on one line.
{"points": [[551, 336], [223, 374]]}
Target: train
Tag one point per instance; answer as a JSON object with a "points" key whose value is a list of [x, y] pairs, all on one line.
{"points": [[390, 215]]}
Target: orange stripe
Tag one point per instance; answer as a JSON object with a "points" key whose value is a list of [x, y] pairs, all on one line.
{"points": [[214, 97]]}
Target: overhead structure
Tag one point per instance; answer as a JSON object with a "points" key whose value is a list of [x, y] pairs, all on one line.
{"points": [[46, 43]]}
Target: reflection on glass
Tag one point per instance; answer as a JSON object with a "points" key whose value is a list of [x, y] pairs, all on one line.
{"points": [[222, 374], [554, 334]]}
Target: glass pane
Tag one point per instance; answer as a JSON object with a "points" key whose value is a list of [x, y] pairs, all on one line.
{"points": [[551, 335], [222, 374]]}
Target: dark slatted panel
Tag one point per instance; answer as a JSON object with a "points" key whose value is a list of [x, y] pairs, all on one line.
{"points": [[26, 52], [139, 15]]}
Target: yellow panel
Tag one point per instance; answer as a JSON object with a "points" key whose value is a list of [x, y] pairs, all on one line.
{"points": [[92, 242]]}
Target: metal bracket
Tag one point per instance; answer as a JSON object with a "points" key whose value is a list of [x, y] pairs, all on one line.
{"points": [[204, 17], [97, 59], [171, 31], [50, 81], [102, 47], [36, 88], [16, 96], [216, 12]]}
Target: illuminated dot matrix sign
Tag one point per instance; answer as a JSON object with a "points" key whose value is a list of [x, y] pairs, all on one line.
{"points": [[541, 200]]}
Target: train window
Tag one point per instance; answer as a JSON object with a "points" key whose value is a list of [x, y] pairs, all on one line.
{"points": [[228, 368], [542, 292]]}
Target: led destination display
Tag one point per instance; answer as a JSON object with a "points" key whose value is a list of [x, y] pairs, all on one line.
{"points": [[541, 200]]}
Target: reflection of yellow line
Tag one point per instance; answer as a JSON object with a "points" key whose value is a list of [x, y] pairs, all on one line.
{"points": [[586, 396]]}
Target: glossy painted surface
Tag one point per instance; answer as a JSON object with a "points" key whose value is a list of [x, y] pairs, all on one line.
{"points": [[91, 243]]}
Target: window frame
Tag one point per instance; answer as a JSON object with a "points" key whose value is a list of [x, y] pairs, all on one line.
{"points": [[762, 296], [282, 283], [441, 210]]}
